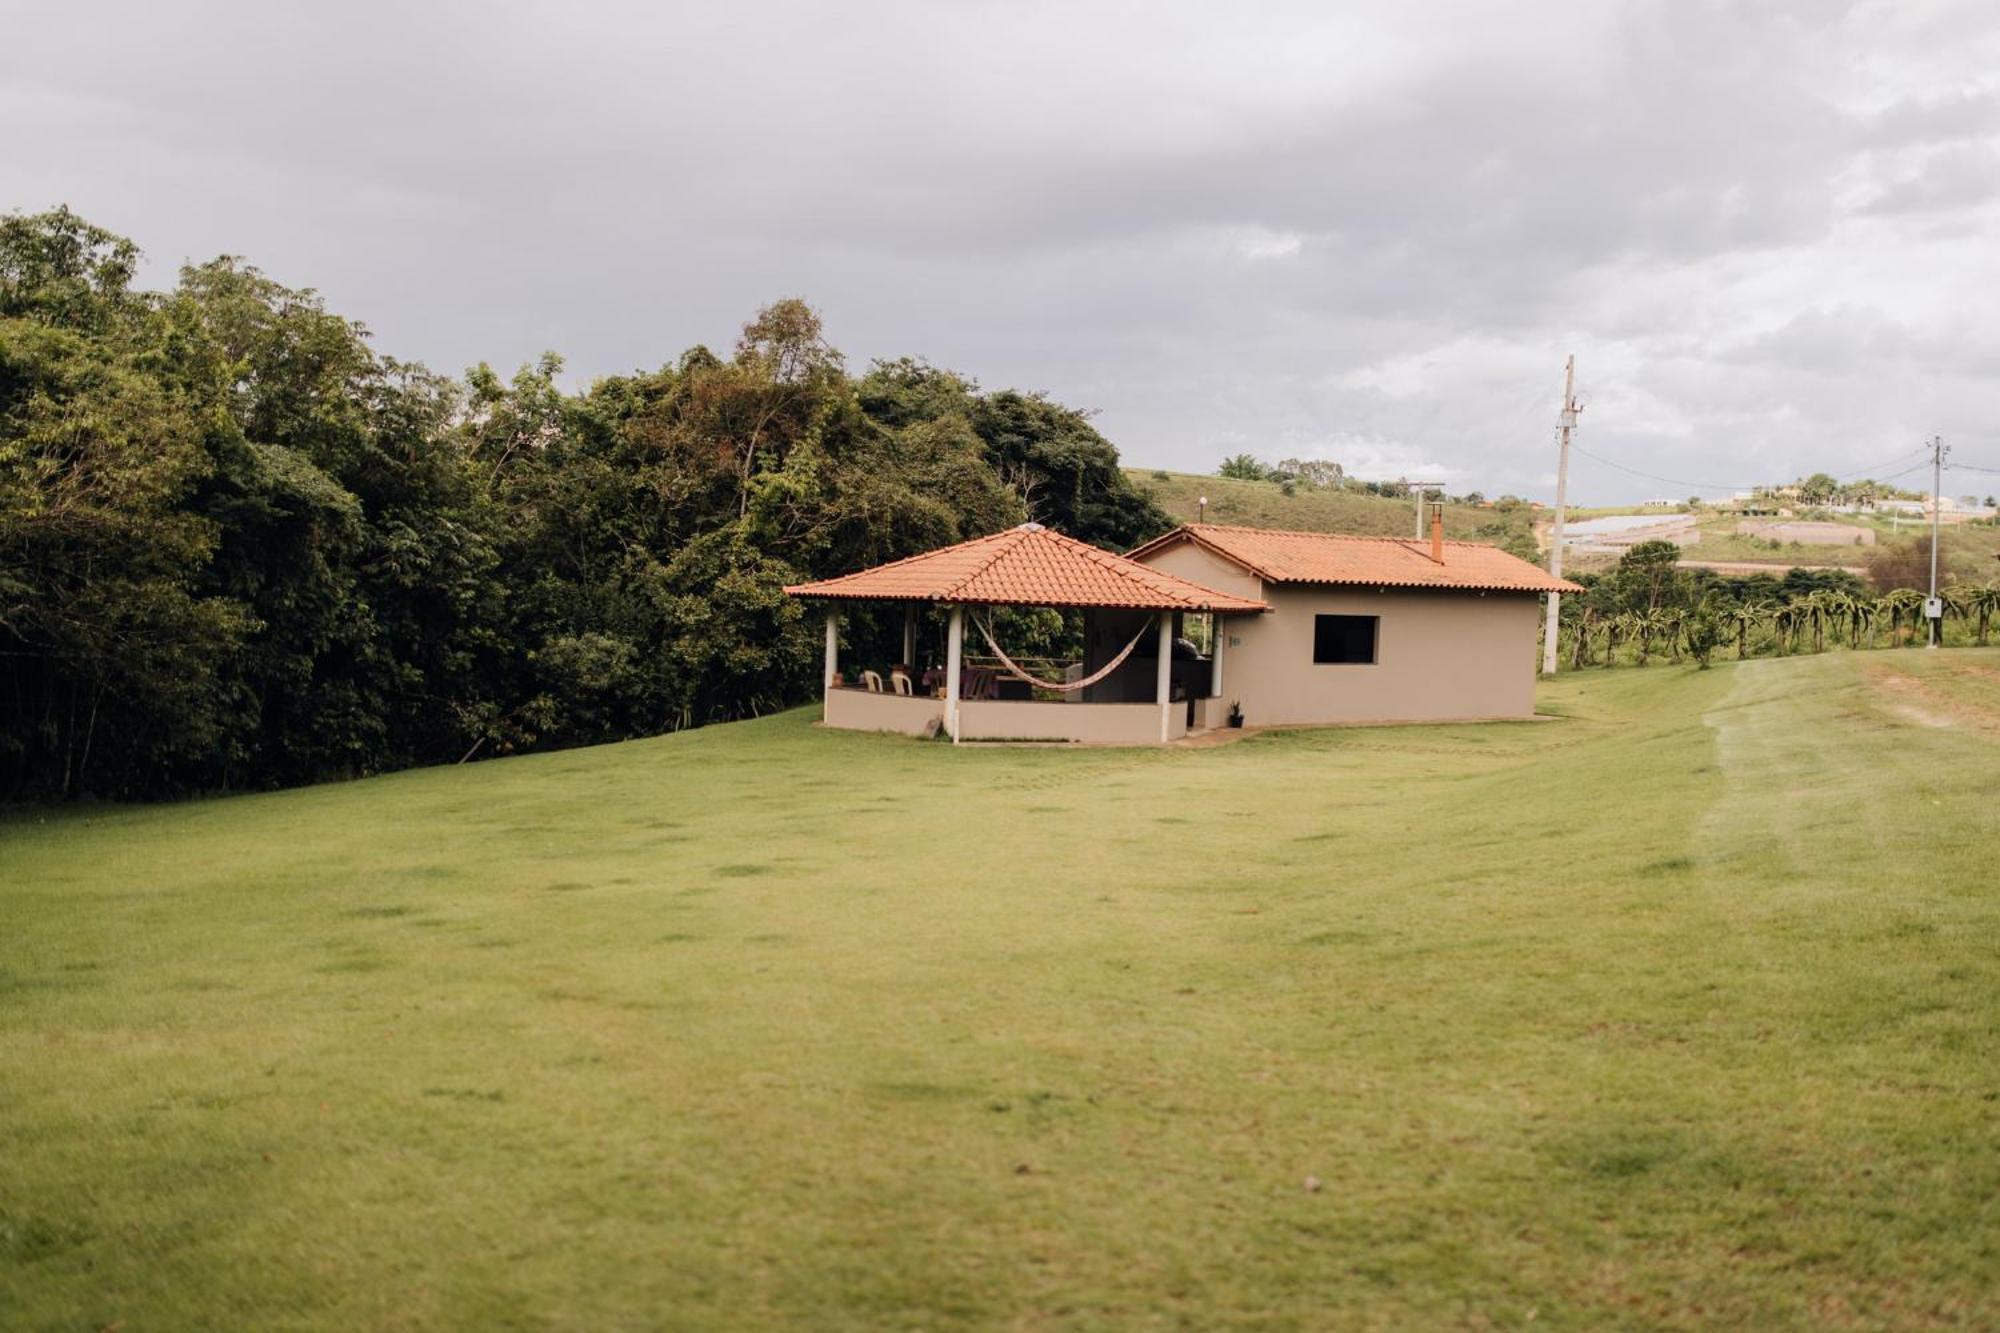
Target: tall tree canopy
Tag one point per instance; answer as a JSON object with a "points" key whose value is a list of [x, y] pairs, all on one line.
{"points": [[240, 547]]}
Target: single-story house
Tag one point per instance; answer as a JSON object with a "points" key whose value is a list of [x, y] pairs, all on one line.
{"points": [[1368, 629], [1287, 627]]}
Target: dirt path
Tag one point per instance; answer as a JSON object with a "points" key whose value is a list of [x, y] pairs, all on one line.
{"points": [[1928, 701], [1754, 567]]}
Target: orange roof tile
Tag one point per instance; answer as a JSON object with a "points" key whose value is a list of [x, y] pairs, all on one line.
{"points": [[1278, 556], [1026, 566]]}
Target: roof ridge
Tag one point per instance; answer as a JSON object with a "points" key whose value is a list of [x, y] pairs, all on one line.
{"points": [[1021, 532], [1291, 555], [1028, 565], [1110, 561], [1314, 532]]}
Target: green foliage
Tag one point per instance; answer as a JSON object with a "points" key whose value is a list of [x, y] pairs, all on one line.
{"points": [[1647, 579], [107, 638], [1701, 631], [1066, 474], [241, 548], [1516, 539], [1644, 602]]}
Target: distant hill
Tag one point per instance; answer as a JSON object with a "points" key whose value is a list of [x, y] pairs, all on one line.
{"points": [[1264, 504]]}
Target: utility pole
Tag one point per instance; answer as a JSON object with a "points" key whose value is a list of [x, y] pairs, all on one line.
{"points": [[1418, 489], [1565, 423], [1933, 608]]}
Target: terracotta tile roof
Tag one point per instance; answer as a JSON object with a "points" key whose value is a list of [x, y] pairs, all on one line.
{"points": [[1026, 566], [1389, 562]]}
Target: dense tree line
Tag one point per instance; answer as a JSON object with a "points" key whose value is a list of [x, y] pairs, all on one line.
{"points": [[239, 547], [1647, 607]]}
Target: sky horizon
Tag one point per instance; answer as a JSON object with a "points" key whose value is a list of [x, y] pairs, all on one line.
{"points": [[1370, 236]]}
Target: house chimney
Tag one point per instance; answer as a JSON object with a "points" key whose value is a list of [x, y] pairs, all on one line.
{"points": [[1437, 533]]}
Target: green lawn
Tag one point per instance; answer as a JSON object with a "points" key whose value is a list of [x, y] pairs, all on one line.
{"points": [[1682, 1010]]}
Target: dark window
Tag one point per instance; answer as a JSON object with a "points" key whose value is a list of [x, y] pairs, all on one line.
{"points": [[1344, 638]]}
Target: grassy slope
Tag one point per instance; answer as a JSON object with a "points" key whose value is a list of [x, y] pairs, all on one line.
{"points": [[1261, 504], [1681, 1010]]}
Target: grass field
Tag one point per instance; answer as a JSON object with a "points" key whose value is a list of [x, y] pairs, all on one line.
{"points": [[1263, 504], [1682, 1010]]}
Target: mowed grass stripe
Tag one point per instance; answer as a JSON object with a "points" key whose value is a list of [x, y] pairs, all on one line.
{"points": [[1681, 1009]]}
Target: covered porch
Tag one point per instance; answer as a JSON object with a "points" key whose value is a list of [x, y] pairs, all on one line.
{"points": [[1145, 663]]}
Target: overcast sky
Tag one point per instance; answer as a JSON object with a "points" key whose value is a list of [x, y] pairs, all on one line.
{"points": [[1770, 232]]}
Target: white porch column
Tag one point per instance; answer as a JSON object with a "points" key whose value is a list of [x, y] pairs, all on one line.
{"points": [[954, 655], [1163, 689], [1220, 628], [832, 671], [910, 636]]}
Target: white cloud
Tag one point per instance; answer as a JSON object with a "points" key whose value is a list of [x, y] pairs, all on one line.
{"points": [[1765, 231]]}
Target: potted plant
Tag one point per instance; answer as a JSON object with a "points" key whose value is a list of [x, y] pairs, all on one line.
{"points": [[1235, 712]]}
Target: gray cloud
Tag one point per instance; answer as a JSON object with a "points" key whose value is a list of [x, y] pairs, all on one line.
{"points": [[1370, 231]]}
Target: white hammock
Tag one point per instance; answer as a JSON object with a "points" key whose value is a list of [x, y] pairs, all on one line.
{"points": [[1065, 686]]}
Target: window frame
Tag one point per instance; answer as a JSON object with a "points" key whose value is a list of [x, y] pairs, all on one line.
{"points": [[1374, 657]]}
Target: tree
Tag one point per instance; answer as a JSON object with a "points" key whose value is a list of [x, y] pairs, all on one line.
{"points": [[1672, 620], [1902, 602], [1816, 612], [1741, 617], [109, 648], [1702, 631], [1243, 467], [239, 547], [1647, 577], [1580, 638], [1785, 620], [1066, 471], [1644, 627], [1863, 617], [1904, 565], [1615, 628], [1982, 601]]}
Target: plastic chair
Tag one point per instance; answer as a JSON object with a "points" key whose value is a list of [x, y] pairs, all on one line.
{"points": [[900, 679], [873, 680]]}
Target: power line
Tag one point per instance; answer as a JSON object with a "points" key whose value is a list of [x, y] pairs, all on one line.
{"points": [[1863, 472], [1736, 486], [1915, 467], [1654, 476]]}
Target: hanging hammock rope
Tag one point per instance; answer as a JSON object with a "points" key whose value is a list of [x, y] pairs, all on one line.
{"points": [[1064, 686]]}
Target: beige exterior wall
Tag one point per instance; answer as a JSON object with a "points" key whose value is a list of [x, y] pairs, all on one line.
{"points": [[864, 710], [1093, 724], [1439, 656], [1004, 719], [1186, 560]]}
